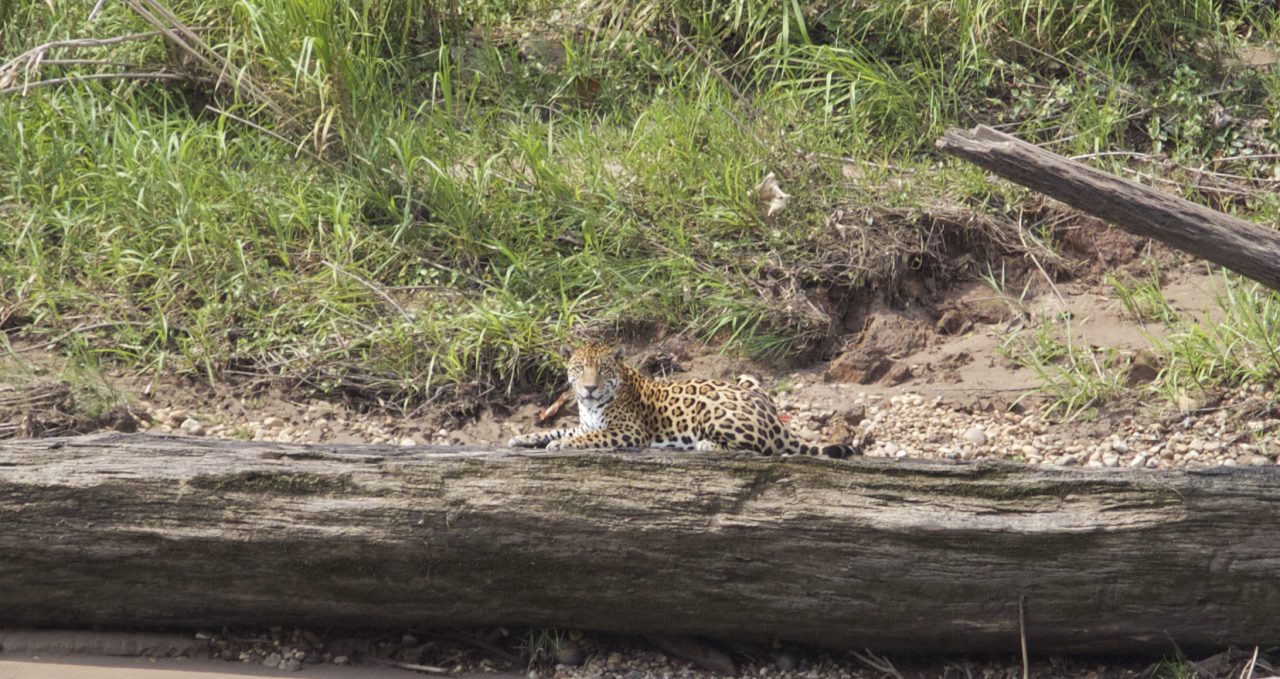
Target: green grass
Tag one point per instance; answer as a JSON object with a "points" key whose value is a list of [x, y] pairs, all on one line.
{"points": [[1075, 379], [1241, 346], [430, 195], [1143, 299]]}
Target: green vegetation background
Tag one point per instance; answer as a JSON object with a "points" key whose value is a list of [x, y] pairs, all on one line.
{"points": [[403, 197]]}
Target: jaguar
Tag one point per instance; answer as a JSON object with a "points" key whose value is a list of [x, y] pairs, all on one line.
{"points": [[619, 407]]}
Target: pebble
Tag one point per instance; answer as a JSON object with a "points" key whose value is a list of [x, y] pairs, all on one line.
{"points": [[193, 427], [272, 660], [272, 422], [785, 662], [292, 665], [407, 442], [1138, 461], [569, 655], [975, 435], [341, 660]]}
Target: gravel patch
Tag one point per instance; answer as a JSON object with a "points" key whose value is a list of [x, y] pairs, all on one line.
{"points": [[905, 426], [909, 425]]}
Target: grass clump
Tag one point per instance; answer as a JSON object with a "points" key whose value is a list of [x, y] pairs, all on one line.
{"points": [[1239, 345], [406, 199]]}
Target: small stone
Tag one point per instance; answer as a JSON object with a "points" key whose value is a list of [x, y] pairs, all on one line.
{"points": [[1255, 460], [227, 654], [975, 435], [785, 662], [177, 416], [341, 660], [1139, 461], [902, 453], [614, 661], [1196, 444], [407, 442], [292, 665], [1119, 446], [313, 658], [272, 422], [272, 660], [569, 655], [1110, 460], [192, 427]]}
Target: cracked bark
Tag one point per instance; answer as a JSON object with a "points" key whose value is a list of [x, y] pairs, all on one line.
{"points": [[123, 530]]}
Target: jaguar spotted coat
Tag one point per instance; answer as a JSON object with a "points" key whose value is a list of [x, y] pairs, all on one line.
{"points": [[621, 408]]}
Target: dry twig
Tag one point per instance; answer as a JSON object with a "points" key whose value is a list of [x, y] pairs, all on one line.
{"points": [[186, 39], [159, 75], [1247, 672], [373, 288], [1022, 635], [297, 148], [878, 663], [550, 412]]}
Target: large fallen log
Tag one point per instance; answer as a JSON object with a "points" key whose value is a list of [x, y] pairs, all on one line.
{"points": [[1231, 242], [120, 530]]}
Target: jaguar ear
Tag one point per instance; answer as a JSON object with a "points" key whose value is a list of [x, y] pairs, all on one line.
{"points": [[566, 351], [619, 352]]}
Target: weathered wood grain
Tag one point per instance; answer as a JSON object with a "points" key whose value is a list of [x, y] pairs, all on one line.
{"points": [[1241, 246], [147, 530]]}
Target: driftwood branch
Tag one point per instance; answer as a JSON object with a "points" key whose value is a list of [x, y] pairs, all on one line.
{"points": [[145, 530], [1241, 246]]}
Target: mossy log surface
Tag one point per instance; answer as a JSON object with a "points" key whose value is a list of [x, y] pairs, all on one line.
{"points": [[123, 530]]}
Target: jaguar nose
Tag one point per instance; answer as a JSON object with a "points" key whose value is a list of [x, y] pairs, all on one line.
{"points": [[591, 390]]}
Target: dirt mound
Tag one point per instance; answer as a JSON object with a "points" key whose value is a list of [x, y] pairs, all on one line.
{"points": [[886, 337]]}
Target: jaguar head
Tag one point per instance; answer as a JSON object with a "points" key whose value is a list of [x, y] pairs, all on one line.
{"points": [[595, 371]]}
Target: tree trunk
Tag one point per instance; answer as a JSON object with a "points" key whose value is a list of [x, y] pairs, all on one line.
{"points": [[1244, 247], [146, 530]]}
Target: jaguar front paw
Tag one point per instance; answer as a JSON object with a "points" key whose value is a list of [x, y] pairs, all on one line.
{"points": [[527, 441]]}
